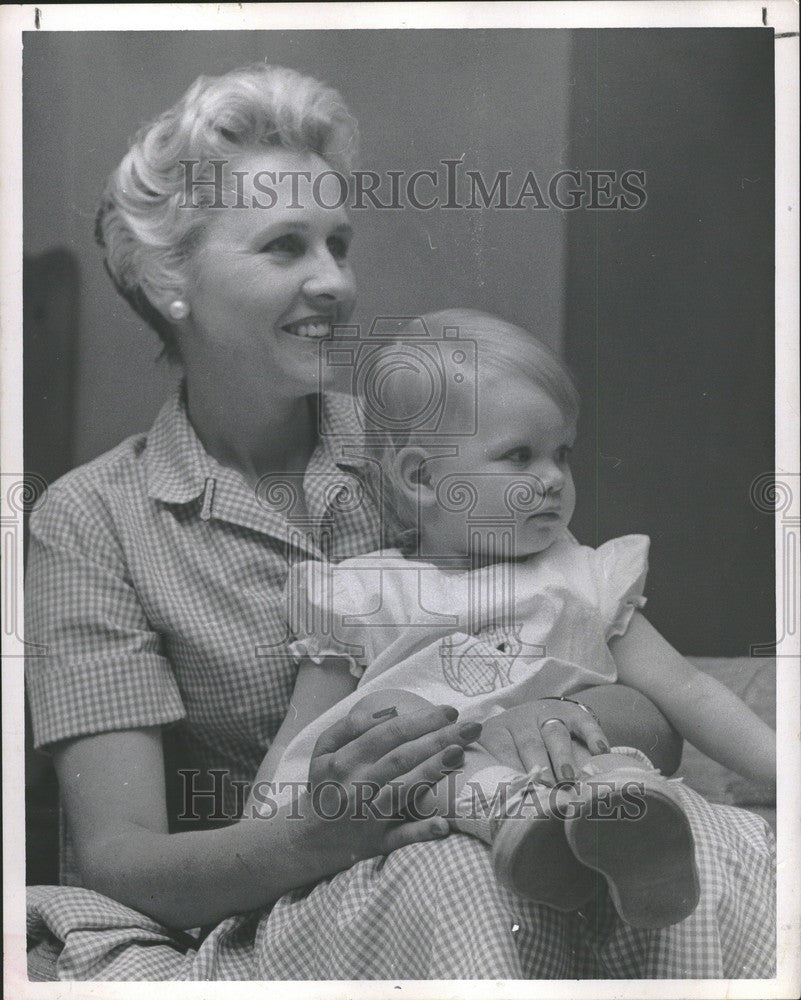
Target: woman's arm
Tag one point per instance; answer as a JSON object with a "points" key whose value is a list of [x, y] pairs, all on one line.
{"points": [[113, 789], [703, 711], [318, 687]]}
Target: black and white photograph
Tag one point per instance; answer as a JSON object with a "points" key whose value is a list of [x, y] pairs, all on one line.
{"points": [[401, 499]]}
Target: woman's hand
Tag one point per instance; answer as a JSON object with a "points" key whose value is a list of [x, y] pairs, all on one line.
{"points": [[366, 771], [540, 734]]}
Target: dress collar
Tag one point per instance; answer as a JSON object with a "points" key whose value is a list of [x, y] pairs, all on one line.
{"points": [[176, 463], [178, 467]]}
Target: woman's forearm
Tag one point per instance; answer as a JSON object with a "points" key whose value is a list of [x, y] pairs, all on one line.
{"points": [[192, 879], [113, 788]]}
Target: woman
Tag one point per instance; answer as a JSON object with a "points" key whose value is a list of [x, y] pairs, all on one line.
{"points": [[154, 579]]}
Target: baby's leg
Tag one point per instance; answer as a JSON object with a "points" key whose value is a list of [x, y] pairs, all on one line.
{"points": [[629, 719]]}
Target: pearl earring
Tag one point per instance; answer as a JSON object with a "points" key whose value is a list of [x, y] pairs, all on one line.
{"points": [[178, 309]]}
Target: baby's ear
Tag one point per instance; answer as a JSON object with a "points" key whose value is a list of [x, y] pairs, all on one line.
{"points": [[414, 474]]}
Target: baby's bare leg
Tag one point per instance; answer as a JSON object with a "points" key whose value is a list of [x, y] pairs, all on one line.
{"points": [[629, 719]]}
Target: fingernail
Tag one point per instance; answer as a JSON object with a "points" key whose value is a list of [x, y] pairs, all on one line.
{"points": [[470, 730], [450, 713], [602, 747], [453, 756], [441, 827], [386, 713], [567, 772]]}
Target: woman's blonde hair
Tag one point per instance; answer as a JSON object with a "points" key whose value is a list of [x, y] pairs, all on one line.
{"points": [[148, 238], [485, 346]]}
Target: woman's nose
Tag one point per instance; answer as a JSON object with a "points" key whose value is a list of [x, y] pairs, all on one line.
{"points": [[329, 279]]}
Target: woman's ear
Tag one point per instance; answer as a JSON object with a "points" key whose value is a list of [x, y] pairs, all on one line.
{"points": [[414, 475]]}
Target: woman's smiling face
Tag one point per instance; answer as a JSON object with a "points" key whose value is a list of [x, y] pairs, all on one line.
{"points": [[265, 284]]}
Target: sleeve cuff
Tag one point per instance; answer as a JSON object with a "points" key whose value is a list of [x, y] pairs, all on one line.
{"points": [[88, 698]]}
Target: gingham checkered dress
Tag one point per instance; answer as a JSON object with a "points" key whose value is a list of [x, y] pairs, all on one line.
{"points": [[155, 579]]}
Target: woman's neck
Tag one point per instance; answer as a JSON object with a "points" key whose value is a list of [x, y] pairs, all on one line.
{"points": [[253, 433]]}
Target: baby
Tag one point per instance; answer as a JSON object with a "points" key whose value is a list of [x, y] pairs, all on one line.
{"points": [[487, 602]]}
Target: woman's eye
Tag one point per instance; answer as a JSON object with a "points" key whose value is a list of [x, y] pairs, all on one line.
{"points": [[520, 456], [290, 244], [338, 247]]}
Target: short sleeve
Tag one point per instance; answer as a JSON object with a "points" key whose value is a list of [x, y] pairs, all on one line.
{"points": [[99, 666], [320, 598], [621, 568]]}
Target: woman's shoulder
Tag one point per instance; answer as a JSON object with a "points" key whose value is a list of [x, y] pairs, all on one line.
{"points": [[117, 465], [125, 474], [89, 503], [94, 481], [82, 508]]}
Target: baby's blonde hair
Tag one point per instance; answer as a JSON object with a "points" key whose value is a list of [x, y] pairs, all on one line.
{"points": [[148, 237], [490, 347]]}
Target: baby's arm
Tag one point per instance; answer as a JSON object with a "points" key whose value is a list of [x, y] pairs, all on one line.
{"points": [[703, 711], [318, 687]]}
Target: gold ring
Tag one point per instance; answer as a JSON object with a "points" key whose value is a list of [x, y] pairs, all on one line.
{"points": [[544, 724]]}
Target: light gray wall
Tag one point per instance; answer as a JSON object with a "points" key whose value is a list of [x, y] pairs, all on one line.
{"points": [[500, 98]]}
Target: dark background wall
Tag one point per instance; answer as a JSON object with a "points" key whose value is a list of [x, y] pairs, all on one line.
{"points": [[669, 320]]}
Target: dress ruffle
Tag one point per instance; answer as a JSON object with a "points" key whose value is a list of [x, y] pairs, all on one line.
{"points": [[316, 650]]}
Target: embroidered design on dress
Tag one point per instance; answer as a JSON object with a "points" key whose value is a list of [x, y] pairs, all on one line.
{"points": [[477, 667]]}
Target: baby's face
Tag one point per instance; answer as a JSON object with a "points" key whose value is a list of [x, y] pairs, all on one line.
{"points": [[511, 479]]}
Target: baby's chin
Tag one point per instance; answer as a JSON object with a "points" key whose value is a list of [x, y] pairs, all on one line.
{"points": [[535, 548], [521, 554]]}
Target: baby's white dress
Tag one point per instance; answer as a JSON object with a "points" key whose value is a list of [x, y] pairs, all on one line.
{"points": [[481, 640]]}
